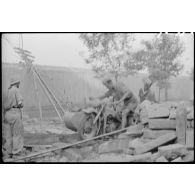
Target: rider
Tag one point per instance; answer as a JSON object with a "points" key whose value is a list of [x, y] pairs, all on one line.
{"points": [[120, 94]]}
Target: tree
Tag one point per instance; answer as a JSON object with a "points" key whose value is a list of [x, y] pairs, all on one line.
{"points": [[110, 53], [160, 57], [191, 74]]}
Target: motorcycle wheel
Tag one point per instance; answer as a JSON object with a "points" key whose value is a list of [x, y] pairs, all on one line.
{"points": [[87, 129]]}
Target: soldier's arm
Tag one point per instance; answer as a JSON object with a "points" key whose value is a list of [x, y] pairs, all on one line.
{"points": [[106, 95], [127, 94]]}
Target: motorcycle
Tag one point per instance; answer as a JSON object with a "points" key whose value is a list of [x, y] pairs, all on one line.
{"points": [[95, 120]]}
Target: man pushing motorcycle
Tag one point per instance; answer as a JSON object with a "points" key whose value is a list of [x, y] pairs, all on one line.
{"points": [[120, 94]]}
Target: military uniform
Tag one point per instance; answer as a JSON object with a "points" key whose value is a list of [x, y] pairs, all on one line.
{"points": [[14, 130], [130, 102]]}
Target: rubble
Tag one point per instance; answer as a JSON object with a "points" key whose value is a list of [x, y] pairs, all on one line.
{"points": [[161, 159], [173, 151], [155, 143], [179, 159], [118, 145]]}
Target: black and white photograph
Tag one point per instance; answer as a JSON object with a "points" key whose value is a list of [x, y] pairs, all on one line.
{"points": [[97, 97]]}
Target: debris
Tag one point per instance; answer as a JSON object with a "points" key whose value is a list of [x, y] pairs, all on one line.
{"points": [[173, 151], [190, 139], [113, 157], [162, 124], [161, 159], [189, 157], [158, 112], [155, 156], [117, 145], [141, 158], [63, 159], [155, 143], [181, 124], [72, 154], [179, 159], [136, 143]]}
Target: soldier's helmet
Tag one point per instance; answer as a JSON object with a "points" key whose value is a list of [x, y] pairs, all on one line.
{"points": [[14, 80]]}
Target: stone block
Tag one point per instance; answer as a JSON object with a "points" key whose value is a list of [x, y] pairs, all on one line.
{"points": [[113, 157], [190, 139], [161, 159], [179, 159], [189, 157], [162, 124], [63, 159], [118, 145], [153, 134], [136, 143], [141, 158], [125, 158], [173, 151], [155, 143], [158, 112], [72, 154], [155, 156]]}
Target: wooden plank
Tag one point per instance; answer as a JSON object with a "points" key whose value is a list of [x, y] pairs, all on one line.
{"points": [[181, 124], [162, 124], [155, 143]]}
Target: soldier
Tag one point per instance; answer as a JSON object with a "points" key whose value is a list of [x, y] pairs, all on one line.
{"points": [[147, 94], [13, 119], [120, 94]]}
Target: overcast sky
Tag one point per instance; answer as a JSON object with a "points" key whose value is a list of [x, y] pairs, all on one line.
{"points": [[66, 49]]}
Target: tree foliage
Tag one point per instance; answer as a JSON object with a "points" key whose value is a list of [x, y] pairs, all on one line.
{"points": [[160, 57], [110, 53]]}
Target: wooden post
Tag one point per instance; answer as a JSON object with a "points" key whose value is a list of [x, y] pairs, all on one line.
{"points": [[49, 90], [50, 99], [181, 124], [39, 103]]}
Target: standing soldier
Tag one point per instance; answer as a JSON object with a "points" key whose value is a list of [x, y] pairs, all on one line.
{"points": [[120, 94], [147, 94], [13, 119]]}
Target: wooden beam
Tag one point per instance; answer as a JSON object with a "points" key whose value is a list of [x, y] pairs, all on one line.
{"points": [[38, 99]]}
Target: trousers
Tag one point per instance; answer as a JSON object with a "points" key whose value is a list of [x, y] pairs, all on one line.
{"points": [[13, 132]]}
